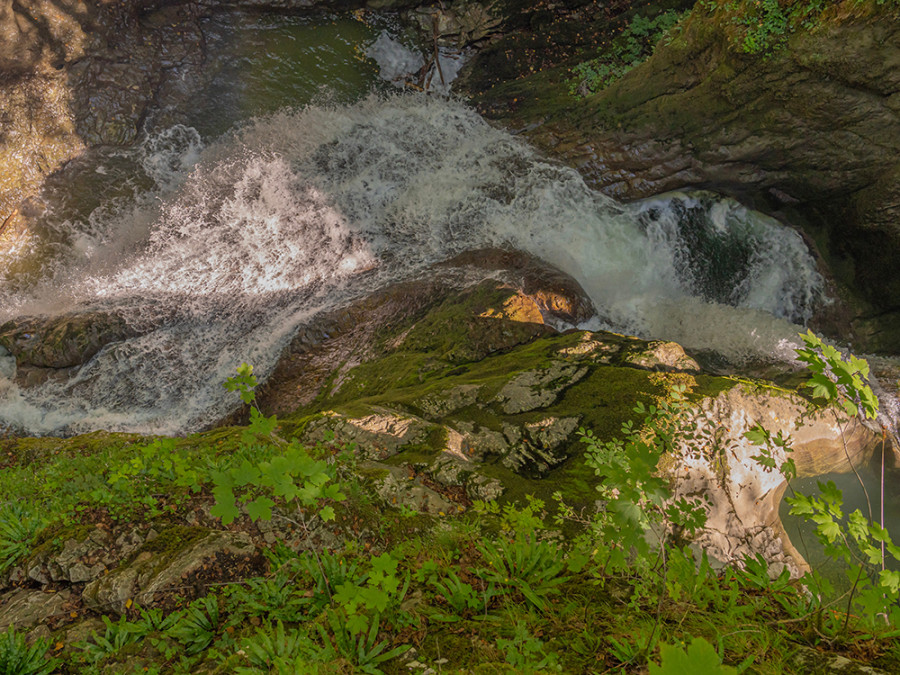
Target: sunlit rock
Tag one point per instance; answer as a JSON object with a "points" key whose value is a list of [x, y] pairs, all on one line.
{"points": [[717, 464]]}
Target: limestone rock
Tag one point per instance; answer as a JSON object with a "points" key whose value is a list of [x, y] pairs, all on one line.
{"points": [[83, 558], [89, 558], [27, 607], [484, 488], [543, 446], [448, 401], [538, 388], [665, 356], [153, 572], [399, 488], [592, 347], [379, 435], [452, 472], [742, 495]]}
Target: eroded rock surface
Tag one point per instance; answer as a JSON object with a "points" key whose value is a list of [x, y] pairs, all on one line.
{"points": [[743, 495], [62, 341], [154, 572]]}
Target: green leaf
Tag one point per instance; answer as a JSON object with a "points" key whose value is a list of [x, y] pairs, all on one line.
{"points": [[699, 659], [356, 624], [822, 387], [869, 402], [850, 407], [245, 474], [827, 527], [221, 478], [225, 507], [260, 509], [260, 424], [890, 580], [801, 505], [757, 435], [326, 513]]}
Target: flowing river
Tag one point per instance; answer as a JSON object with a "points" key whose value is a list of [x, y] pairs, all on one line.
{"points": [[299, 181]]}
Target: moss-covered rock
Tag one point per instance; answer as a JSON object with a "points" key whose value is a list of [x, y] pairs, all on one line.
{"points": [[175, 559]]}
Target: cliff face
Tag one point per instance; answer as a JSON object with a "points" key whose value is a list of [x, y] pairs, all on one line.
{"points": [[75, 74], [812, 131]]}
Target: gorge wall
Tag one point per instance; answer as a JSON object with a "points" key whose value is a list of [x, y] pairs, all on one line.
{"points": [[810, 133]]}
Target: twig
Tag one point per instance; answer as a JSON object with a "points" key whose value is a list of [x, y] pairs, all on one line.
{"points": [[437, 56], [850, 462], [8, 220]]}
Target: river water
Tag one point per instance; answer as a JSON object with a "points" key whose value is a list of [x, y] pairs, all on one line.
{"points": [[299, 180]]}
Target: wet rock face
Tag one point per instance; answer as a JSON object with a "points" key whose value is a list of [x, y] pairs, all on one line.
{"points": [[36, 31], [61, 342], [37, 135], [72, 74], [811, 133]]}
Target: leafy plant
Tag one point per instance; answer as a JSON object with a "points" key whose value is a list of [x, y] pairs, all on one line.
{"points": [[360, 647], [461, 597], [533, 568], [329, 572], [632, 47], [275, 597], [765, 25], [635, 498], [526, 520], [280, 651], [292, 475], [526, 653], [383, 592], [197, 627], [18, 658], [700, 658], [18, 529], [116, 636], [862, 545]]}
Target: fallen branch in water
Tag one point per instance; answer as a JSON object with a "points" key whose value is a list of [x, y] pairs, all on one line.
{"points": [[8, 221]]}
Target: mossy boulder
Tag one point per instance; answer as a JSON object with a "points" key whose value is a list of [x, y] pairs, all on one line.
{"points": [[427, 396], [174, 561]]}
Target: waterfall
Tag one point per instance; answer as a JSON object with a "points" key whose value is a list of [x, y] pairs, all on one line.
{"points": [[217, 252]]}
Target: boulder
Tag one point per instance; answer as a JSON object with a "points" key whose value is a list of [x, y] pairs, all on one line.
{"points": [[478, 303], [63, 341], [538, 388], [379, 435], [27, 607], [157, 570]]}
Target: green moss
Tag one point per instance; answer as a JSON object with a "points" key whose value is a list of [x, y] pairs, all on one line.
{"points": [[27, 451], [50, 540], [173, 539]]}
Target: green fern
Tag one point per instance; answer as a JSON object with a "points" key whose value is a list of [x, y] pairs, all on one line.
{"points": [[18, 658]]}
